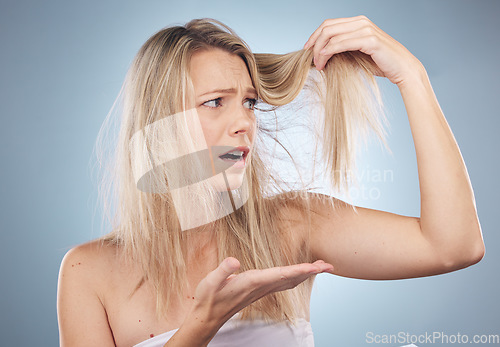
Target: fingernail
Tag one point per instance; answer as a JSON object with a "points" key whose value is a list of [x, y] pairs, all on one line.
{"points": [[306, 46]]}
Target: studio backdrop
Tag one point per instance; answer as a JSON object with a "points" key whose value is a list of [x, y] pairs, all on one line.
{"points": [[62, 66]]}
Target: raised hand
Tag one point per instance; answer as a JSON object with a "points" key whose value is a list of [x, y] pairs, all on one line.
{"points": [[359, 34]]}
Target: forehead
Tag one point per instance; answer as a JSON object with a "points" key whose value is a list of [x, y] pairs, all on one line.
{"points": [[217, 69]]}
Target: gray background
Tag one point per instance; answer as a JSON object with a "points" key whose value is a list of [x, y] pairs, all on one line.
{"points": [[62, 65]]}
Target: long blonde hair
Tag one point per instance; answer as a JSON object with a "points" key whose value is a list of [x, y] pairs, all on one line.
{"points": [[145, 225]]}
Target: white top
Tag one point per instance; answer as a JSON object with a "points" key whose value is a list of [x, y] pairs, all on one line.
{"points": [[247, 333]]}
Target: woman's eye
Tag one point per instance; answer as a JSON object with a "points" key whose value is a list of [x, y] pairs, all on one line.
{"points": [[250, 103], [213, 103]]}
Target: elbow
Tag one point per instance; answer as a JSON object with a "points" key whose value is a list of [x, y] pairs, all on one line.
{"points": [[465, 256], [476, 250], [478, 253], [460, 248]]}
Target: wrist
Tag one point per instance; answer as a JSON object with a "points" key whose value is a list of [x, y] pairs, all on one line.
{"points": [[202, 322], [196, 330], [417, 76]]}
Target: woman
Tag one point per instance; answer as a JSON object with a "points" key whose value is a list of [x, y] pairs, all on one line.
{"points": [[206, 244]]}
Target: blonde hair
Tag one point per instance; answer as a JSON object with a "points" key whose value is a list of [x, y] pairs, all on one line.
{"points": [[145, 226]]}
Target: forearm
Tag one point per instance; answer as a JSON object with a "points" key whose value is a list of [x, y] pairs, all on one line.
{"points": [[448, 216]]}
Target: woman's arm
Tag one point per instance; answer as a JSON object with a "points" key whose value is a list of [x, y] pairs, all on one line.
{"points": [[448, 208], [380, 245]]}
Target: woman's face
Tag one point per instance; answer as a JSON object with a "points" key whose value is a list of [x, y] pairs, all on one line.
{"points": [[224, 98]]}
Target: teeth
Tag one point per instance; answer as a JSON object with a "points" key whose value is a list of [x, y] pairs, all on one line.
{"points": [[233, 155]]}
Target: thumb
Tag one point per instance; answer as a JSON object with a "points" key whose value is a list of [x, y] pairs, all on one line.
{"points": [[226, 268]]}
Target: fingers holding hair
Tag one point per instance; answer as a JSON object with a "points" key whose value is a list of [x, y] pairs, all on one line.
{"points": [[335, 35]]}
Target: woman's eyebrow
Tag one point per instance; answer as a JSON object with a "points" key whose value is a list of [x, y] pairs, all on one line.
{"points": [[229, 91]]}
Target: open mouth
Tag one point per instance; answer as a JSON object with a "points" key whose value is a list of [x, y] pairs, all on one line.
{"points": [[236, 154]]}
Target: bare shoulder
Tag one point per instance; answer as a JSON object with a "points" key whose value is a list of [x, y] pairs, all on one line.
{"points": [[81, 287], [90, 256], [90, 263]]}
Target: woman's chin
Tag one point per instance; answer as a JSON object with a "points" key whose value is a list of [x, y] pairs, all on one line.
{"points": [[234, 182], [228, 180]]}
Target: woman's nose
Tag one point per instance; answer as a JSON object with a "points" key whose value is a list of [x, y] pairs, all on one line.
{"points": [[243, 121]]}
